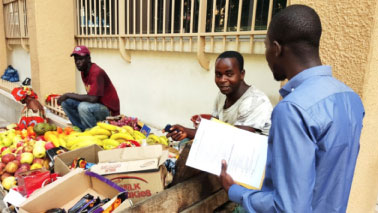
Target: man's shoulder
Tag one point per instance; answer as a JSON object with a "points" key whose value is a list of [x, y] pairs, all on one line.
{"points": [[316, 90], [96, 70], [254, 95]]}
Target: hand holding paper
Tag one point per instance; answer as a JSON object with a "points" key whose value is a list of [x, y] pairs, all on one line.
{"points": [[245, 152], [225, 179]]}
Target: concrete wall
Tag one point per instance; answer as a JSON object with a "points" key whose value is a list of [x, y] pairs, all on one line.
{"points": [[20, 60], [3, 49], [51, 30], [349, 44], [164, 87]]}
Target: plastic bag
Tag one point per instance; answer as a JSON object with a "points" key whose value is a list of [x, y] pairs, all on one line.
{"points": [[10, 74], [32, 180]]}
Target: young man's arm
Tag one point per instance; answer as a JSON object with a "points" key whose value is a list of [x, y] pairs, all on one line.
{"points": [[78, 97], [292, 154]]}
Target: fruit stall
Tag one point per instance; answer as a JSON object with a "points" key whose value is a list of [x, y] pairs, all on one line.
{"points": [[138, 162]]}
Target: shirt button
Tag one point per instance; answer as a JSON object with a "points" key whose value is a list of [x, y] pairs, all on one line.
{"points": [[292, 89]]}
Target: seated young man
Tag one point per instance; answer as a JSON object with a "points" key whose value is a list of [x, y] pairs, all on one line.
{"points": [[101, 100], [237, 103]]}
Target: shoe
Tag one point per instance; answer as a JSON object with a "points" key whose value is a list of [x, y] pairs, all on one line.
{"points": [[26, 82]]}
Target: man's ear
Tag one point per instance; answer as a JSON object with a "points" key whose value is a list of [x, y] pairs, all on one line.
{"points": [[242, 72], [277, 47]]}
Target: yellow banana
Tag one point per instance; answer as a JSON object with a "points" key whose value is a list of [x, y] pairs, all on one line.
{"points": [[111, 142], [125, 136], [138, 135], [107, 126], [101, 137], [152, 139], [99, 131], [163, 140], [129, 129]]}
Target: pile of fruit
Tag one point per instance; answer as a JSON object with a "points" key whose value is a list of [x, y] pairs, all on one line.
{"points": [[126, 121], [110, 136], [20, 152], [24, 150]]}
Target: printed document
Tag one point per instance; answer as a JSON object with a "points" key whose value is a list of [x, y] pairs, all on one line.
{"points": [[245, 152]]}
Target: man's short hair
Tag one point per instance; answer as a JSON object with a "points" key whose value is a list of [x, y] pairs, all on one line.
{"points": [[296, 24], [233, 54]]}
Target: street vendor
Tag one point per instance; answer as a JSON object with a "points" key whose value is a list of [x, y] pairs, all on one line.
{"points": [[237, 103], [33, 111], [101, 100]]}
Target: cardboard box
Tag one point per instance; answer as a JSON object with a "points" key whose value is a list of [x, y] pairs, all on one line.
{"points": [[64, 160], [66, 191], [139, 170]]}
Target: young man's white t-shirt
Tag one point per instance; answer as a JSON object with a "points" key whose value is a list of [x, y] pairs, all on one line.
{"points": [[252, 109]]}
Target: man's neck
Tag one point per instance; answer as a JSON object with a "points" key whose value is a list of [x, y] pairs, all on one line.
{"points": [[86, 72], [298, 67], [232, 98]]}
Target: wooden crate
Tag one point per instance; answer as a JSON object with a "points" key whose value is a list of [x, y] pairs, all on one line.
{"points": [[54, 108]]}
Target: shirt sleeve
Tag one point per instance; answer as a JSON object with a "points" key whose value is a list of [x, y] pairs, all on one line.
{"points": [[292, 169], [254, 112], [97, 85], [215, 112]]}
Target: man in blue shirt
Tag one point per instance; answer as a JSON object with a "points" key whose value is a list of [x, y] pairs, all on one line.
{"points": [[314, 138]]}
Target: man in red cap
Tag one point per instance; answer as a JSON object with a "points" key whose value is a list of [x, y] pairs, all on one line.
{"points": [[101, 100]]}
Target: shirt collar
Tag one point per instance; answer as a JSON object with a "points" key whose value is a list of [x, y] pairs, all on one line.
{"points": [[304, 75]]}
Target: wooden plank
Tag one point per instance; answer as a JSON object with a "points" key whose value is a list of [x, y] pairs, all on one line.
{"points": [[209, 204], [183, 172], [180, 196]]}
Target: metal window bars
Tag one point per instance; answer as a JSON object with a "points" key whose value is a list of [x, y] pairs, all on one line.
{"points": [[202, 26], [15, 21]]}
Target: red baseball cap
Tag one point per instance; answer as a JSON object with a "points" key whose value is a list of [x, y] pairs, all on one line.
{"points": [[80, 50]]}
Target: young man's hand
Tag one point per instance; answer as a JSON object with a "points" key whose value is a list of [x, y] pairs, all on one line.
{"points": [[62, 98], [177, 133], [225, 179]]}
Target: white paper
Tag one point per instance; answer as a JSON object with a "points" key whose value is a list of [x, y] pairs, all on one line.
{"points": [[245, 152]]}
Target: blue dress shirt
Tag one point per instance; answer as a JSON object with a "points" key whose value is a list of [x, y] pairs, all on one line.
{"points": [[312, 147]]}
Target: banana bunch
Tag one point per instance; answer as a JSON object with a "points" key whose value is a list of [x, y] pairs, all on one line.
{"points": [[107, 126], [81, 140], [110, 144], [154, 139], [138, 136], [122, 136]]}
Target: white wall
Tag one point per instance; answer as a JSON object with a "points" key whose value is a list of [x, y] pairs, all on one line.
{"points": [[20, 60], [163, 87]]}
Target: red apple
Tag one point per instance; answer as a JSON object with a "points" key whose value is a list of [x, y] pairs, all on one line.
{"points": [[3, 148], [28, 148], [17, 162], [11, 167], [18, 157], [8, 158], [5, 175], [40, 138], [26, 166], [12, 149], [38, 160], [49, 145], [20, 170], [2, 166], [20, 143]]}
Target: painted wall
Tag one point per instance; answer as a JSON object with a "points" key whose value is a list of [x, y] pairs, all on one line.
{"points": [[51, 30], [3, 50], [20, 60], [349, 45], [163, 87]]}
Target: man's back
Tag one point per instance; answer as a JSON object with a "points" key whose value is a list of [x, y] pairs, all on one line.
{"points": [[325, 137]]}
